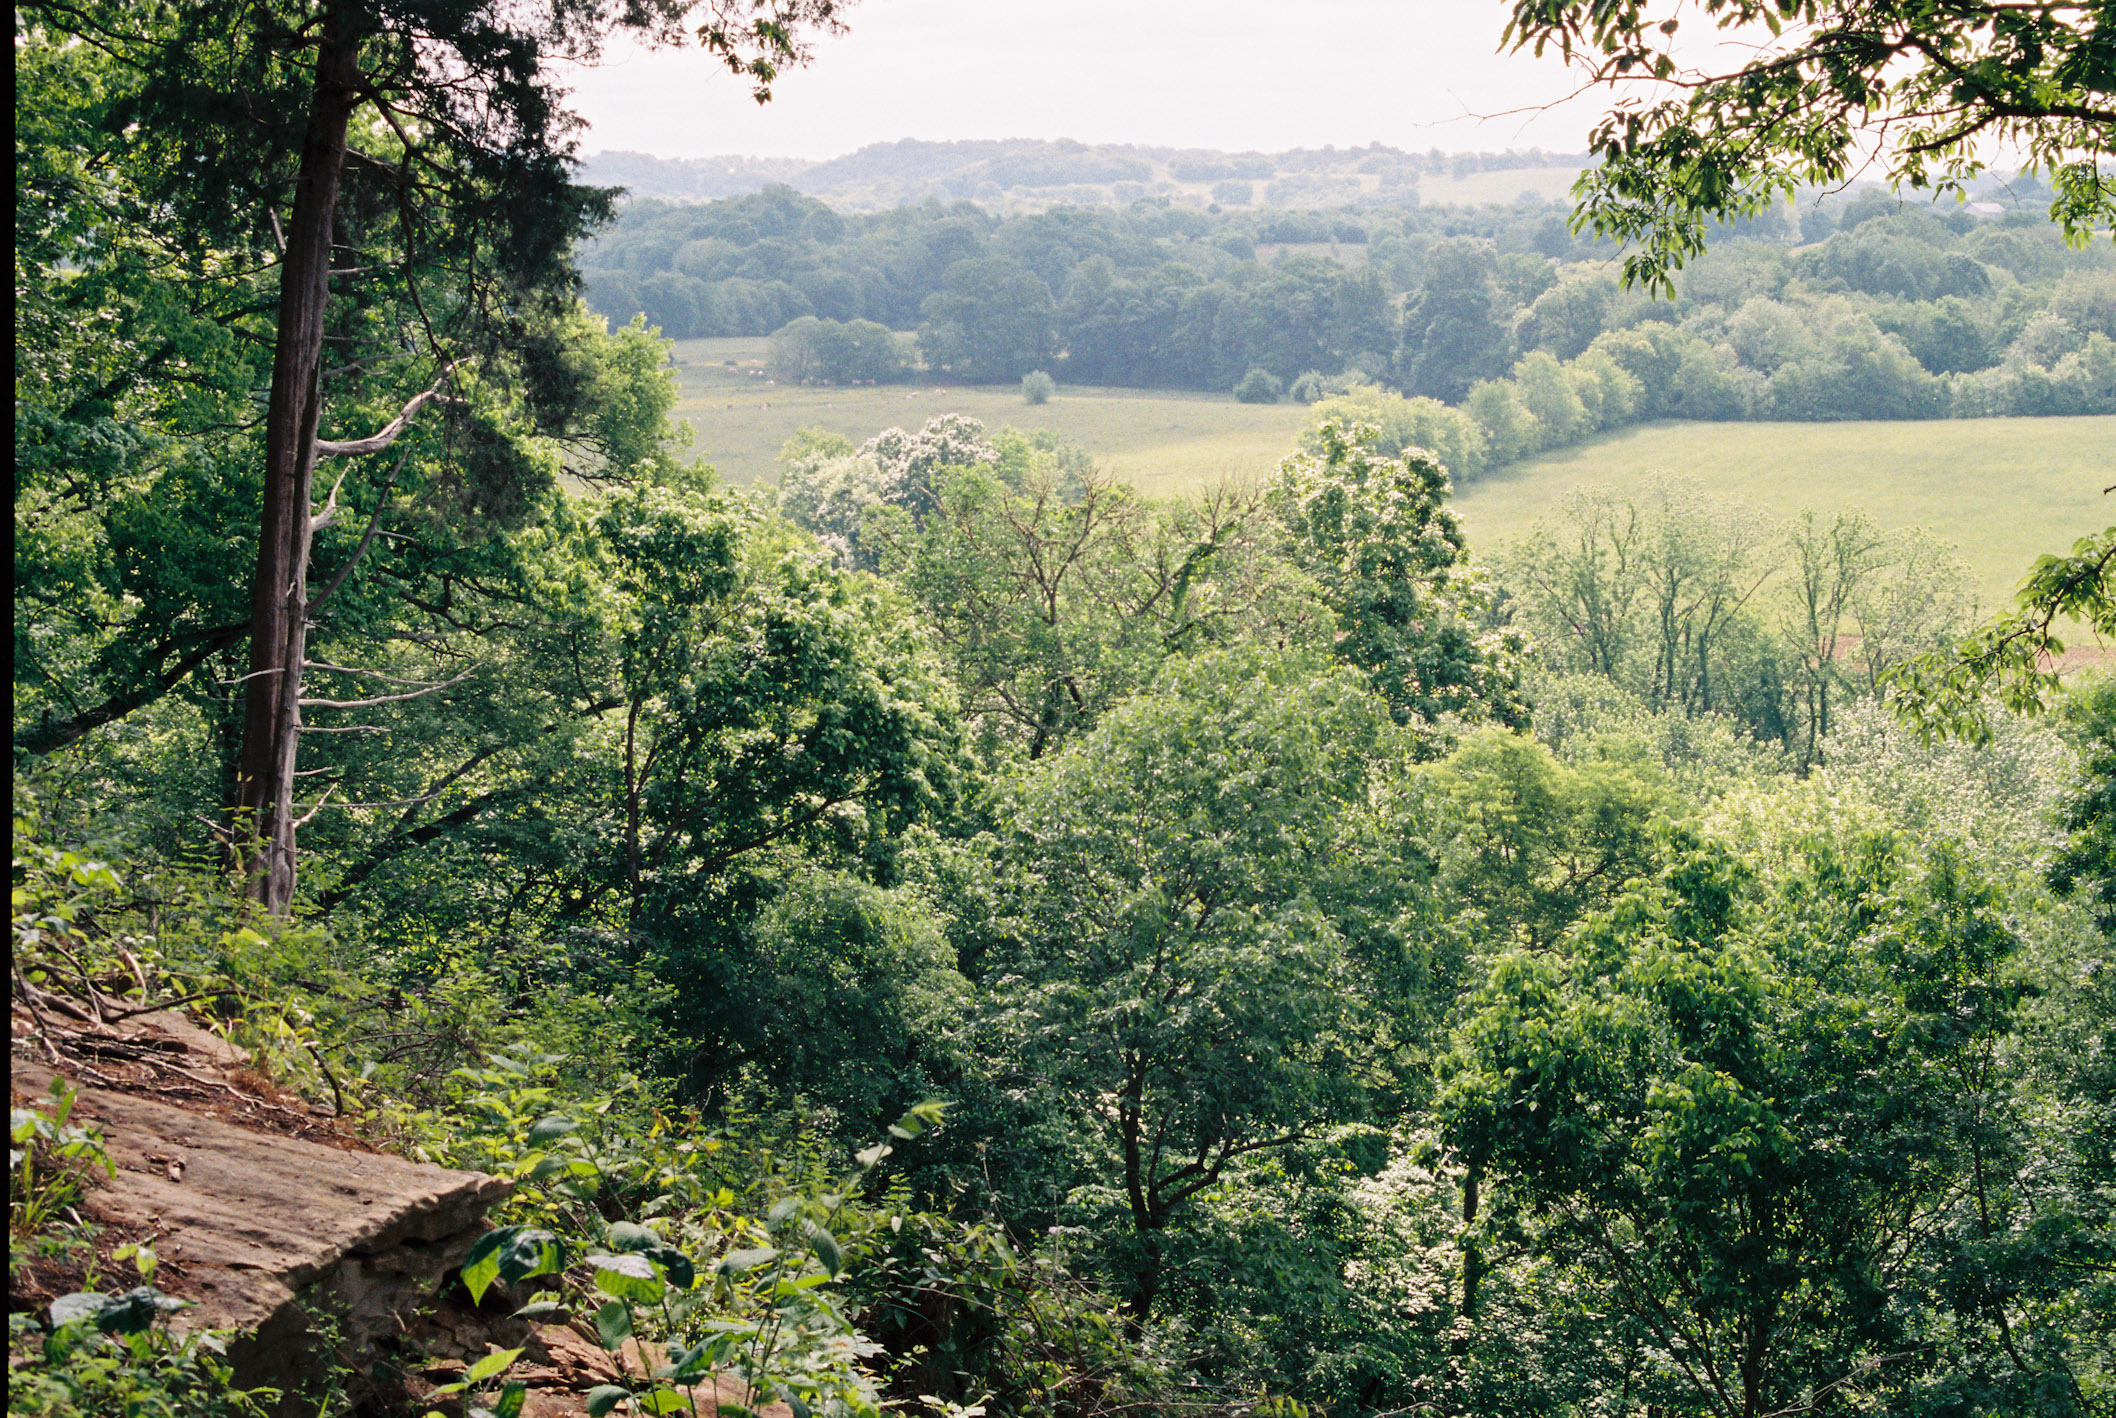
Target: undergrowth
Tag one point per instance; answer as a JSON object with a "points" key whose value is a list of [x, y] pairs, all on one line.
{"points": [[748, 1248]]}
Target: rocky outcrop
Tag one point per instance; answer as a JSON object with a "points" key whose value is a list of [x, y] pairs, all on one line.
{"points": [[314, 1251], [332, 1262]]}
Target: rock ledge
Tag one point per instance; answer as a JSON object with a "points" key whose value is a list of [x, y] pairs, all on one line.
{"points": [[300, 1245]]}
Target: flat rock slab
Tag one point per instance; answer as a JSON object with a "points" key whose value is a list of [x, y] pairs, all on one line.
{"points": [[288, 1239]]}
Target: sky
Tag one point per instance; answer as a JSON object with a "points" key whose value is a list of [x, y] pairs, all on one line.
{"points": [[1225, 74]]}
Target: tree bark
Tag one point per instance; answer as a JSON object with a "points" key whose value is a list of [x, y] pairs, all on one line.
{"points": [[264, 802], [1472, 1254]]}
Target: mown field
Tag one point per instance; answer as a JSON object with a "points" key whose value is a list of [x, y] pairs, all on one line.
{"points": [[2002, 491], [1164, 442]]}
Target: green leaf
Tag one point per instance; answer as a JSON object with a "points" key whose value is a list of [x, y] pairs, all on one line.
{"points": [[80, 1305], [735, 1262], [550, 1128], [482, 1266], [663, 1400], [826, 1248], [699, 1360], [136, 1310], [631, 1236], [510, 1400], [627, 1277], [491, 1366], [530, 1253], [674, 1265], [604, 1397], [613, 1322]]}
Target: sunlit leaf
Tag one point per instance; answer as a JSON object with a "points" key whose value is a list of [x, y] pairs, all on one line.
{"points": [[491, 1366], [627, 1277], [631, 1236], [736, 1262]]}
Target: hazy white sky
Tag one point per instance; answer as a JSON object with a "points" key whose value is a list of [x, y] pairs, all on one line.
{"points": [[1228, 74]]}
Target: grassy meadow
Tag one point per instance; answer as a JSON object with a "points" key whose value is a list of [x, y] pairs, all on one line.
{"points": [[1164, 442], [2002, 491]]}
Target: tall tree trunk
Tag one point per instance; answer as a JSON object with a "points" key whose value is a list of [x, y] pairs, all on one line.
{"points": [[264, 798], [1146, 1285], [1472, 1253]]}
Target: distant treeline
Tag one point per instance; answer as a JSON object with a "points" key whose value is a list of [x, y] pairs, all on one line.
{"points": [[1155, 294], [909, 171], [1868, 309]]}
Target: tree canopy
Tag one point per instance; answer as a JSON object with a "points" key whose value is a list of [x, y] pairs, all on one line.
{"points": [[1931, 91]]}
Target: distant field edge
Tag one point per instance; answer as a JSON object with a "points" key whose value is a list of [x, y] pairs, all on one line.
{"points": [[2000, 490]]}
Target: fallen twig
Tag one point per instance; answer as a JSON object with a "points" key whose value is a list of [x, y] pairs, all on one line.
{"points": [[337, 1097], [156, 1008], [43, 1024], [132, 962]]}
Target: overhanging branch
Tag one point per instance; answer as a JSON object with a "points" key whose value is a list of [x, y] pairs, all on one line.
{"points": [[375, 443], [388, 698]]}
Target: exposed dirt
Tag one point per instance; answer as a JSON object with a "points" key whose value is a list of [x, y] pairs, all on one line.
{"points": [[166, 1057]]}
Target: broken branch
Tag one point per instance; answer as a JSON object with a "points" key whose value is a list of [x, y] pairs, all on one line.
{"points": [[388, 698], [327, 448]]}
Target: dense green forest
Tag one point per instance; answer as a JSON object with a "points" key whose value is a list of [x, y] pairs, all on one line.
{"points": [[949, 932], [1867, 308]]}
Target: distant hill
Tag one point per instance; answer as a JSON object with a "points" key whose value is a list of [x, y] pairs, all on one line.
{"points": [[1026, 174], [690, 179]]}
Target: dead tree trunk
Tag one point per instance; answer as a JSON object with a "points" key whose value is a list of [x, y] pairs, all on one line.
{"points": [[264, 800]]}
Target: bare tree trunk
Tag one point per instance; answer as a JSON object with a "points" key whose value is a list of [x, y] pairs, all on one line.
{"points": [[264, 801], [1472, 1253]]}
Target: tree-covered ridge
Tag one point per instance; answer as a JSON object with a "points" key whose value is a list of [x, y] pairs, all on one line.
{"points": [[1033, 172], [1306, 1028], [1867, 310]]}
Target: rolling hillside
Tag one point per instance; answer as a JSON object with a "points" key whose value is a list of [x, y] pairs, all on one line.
{"points": [[2001, 490], [1011, 175]]}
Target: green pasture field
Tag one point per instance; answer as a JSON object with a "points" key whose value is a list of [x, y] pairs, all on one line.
{"points": [[2002, 491], [1163, 442]]}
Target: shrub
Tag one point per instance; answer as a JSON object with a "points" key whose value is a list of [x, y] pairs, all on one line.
{"points": [[1258, 386], [1451, 435], [1037, 387]]}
